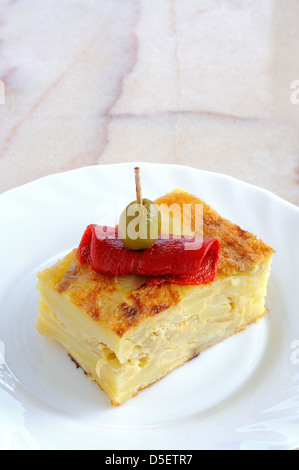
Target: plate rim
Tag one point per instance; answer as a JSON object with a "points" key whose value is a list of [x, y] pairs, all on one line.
{"points": [[266, 192], [152, 164]]}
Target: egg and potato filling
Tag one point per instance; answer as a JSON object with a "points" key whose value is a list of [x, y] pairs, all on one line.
{"points": [[127, 335]]}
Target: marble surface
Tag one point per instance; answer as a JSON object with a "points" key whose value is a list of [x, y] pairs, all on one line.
{"points": [[209, 83]]}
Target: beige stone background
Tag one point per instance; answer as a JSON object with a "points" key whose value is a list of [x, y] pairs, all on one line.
{"points": [[206, 83]]}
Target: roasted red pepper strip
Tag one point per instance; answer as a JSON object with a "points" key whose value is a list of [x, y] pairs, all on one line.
{"points": [[177, 261]]}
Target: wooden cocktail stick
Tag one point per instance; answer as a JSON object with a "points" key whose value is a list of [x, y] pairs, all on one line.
{"points": [[138, 186]]}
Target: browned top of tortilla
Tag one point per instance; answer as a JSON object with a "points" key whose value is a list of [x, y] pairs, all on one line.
{"points": [[239, 250], [122, 303]]}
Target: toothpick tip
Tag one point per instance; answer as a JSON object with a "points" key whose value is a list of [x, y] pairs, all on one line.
{"points": [[138, 186]]}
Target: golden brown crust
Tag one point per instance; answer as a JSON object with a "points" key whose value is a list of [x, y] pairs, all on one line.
{"points": [[120, 309], [103, 300], [239, 250]]}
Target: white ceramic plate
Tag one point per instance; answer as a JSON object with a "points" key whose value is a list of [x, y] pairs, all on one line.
{"points": [[242, 394]]}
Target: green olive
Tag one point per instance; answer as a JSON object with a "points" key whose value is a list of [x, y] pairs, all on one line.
{"points": [[140, 225]]}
